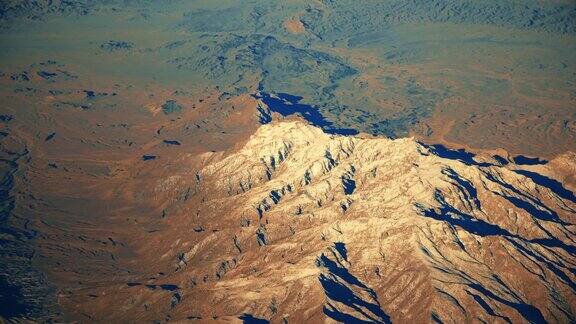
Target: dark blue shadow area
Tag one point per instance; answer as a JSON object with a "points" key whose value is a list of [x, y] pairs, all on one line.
{"points": [[555, 186], [525, 160], [343, 317], [482, 228], [459, 155], [6, 118], [288, 97], [133, 284], [24, 292], [435, 318], [486, 307], [286, 105], [12, 304], [169, 287], [465, 186], [46, 75], [349, 185], [340, 292], [548, 215], [171, 142], [250, 319], [528, 204], [553, 242], [464, 221], [479, 227], [341, 248], [549, 265], [341, 272], [50, 136], [264, 117], [529, 312], [501, 160]]}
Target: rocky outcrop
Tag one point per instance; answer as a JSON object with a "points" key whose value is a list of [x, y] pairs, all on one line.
{"points": [[374, 229]]}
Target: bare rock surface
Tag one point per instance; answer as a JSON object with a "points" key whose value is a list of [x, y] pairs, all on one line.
{"points": [[306, 226]]}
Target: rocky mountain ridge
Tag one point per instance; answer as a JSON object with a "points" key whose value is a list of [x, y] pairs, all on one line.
{"points": [[305, 226]]}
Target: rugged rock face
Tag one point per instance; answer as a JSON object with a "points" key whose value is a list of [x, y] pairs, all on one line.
{"points": [[299, 225]]}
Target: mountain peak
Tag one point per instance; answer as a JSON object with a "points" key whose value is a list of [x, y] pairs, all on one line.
{"points": [[375, 229]]}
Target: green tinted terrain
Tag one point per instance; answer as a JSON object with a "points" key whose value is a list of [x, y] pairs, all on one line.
{"points": [[378, 66]]}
